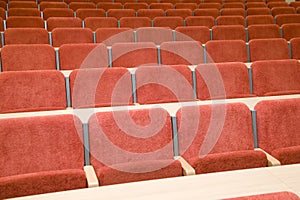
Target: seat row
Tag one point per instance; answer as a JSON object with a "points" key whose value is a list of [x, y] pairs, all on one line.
{"points": [[25, 91], [59, 152]]}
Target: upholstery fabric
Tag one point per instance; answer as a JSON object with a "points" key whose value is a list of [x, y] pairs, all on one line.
{"points": [[109, 36], [135, 22], [288, 155], [179, 12], [57, 12], [156, 35], [260, 31], [230, 20], [290, 31], [229, 32], [190, 33], [26, 36], [63, 22], [171, 22], [295, 44], [83, 13], [24, 22], [118, 13], [151, 13], [213, 12], [100, 22], [62, 36], [207, 21], [274, 196], [260, 19], [287, 18]]}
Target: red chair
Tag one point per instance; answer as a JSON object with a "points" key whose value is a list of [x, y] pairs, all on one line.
{"points": [[258, 11], [170, 22], [22, 4], [45, 4], [229, 32], [179, 12], [109, 36], [84, 13], [190, 33], [210, 5], [191, 6], [233, 11], [295, 44], [135, 6], [207, 21], [23, 12], [263, 31], [94, 23], [290, 31], [63, 22], [230, 20], [118, 13], [277, 4], [57, 12], [151, 13], [213, 12], [259, 19], [77, 5], [287, 18], [135, 22], [278, 195], [154, 34], [24, 22], [256, 5], [163, 6], [109, 5], [283, 10], [26, 36], [62, 36]]}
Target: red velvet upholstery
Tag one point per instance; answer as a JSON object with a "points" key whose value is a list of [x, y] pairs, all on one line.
{"points": [[207, 21], [164, 84], [23, 12], [118, 13], [135, 6], [170, 22], [233, 11], [100, 87], [259, 19], [218, 137], [229, 32], [277, 4], [226, 51], [295, 4], [290, 31], [20, 4], [191, 6], [109, 36], [41, 154], [44, 5], [287, 18], [225, 80], [151, 13], [135, 22], [62, 36], [263, 31], [24, 22], [156, 35], [63, 22], [258, 11], [26, 36], [179, 12], [109, 5], [163, 6], [2, 14], [278, 129], [57, 12], [268, 49], [32, 91], [213, 12], [181, 53], [74, 56], [76, 5], [268, 196], [100, 22], [28, 57], [134, 54], [230, 20], [276, 77], [295, 46], [147, 152], [190, 33], [83, 13], [283, 10], [210, 5], [231, 4]]}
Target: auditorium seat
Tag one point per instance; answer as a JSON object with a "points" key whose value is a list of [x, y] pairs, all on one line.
{"points": [[207, 21], [222, 80], [259, 11], [233, 11], [3, 4], [22, 4], [41, 154], [2, 13], [233, 5], [135, 6], [268, 49], [170, 22], [278, 129], [210, 5], [191, 6], [75, 56], [283, 10], [151, 13], [134, 54], [276, 77], [256, 5], [100, 22], [76, 5], [109, 36], [217, 137], [118, 13], [156, 35], [295, 47], [163, 84], [229, 32], [83, 13], [181, 53], [24, 91], [109, 5], [135, 22], [26, 36], [259, 19], [62, 36], [230, 20], [290, 31], [24, 22], [179, 12], [266, 196], [57, 12], [295, 4], [226, 51], [163, 6], [287, 18], [125, 1], [46, 4], [23, 12], [28, 57], [190, 33], [275, 4], [100, 87], [213, 12], [63, 22], [146, 154], [70, 1], [261, 31]]}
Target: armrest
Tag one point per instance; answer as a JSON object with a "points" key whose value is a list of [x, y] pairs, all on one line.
{"points": [[271, 160], [187, 168], [91, 177]]}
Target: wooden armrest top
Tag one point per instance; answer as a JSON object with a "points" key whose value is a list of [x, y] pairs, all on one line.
{"points": [[271, 160], [91, 176], [187, 168]]}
